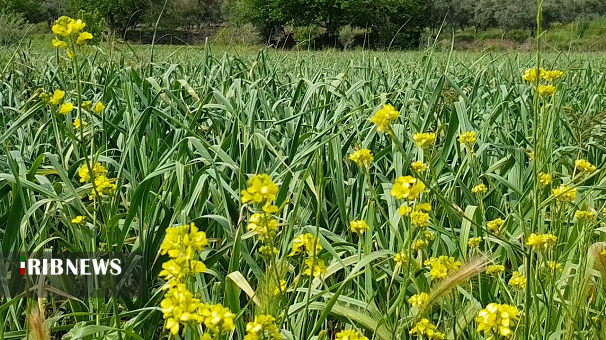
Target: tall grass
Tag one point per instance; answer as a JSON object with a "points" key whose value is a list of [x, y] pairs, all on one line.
{"points": [[183, 135]]}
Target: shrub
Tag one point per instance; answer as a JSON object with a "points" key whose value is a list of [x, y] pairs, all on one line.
{"points": [[13, 28], [305, 36], [348, 35]]}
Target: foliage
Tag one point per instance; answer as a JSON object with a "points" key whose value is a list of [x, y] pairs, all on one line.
{"points": [[13, 28]]}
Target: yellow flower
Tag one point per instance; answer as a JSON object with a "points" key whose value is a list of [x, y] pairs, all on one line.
{"points": [[359, 227], [71, 54], [424, 140], [584, 215], [545, 179], [86, 105], [78, 123], [419, 300], [79, 219], [495, 269], [584, 166], [179, 307], [98, 169], [282, 288], [429, 236], [99, 107], [83, 38], [479, 189], [57, 97], [401, 258], [564, 193], [420, 244], [419, 166], [603, 252], [180, 267], [420, 219], [546, 90], [218, 319], [384, 117], [264, 225], [263, 327], [269, 251], [552, 76], [407, 187], [542, 240], [103, 186], [350, 335], [423, 206], [468, 138], [518, 280], [59, 43], [531, 74], [319, 267], [474, 242], [66, 108], [442, 266], [497, 318], [425, 327], [495, 225], [405, 210], [362, 157], [555, 266], [183, 241], [260, 188], [305, 243]]}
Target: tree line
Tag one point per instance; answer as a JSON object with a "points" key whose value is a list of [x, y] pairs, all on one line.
{"points": [[381, 23]]}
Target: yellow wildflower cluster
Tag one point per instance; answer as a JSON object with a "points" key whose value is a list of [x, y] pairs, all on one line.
{"points": [[401, 258], [69, 33], [564, 193], [442, 266], [419, 166], [350, 334], [263, 328], [530, 75], [264, 225], [495, 269], [554, 266], [545, 179], [420, 219], [420, 244], [407, 187], [181, 244], [498, 318], [518, 280], [479, 189], [359, 227], [102, 185], [546, 90], [425, 327], [362, 157], [419, 300], [468, 138], [495, 225], [309, 244], [542, 240], [584, 166], [584, 215], [474, 242], [424, 140], [385, 117], [260, 188]]}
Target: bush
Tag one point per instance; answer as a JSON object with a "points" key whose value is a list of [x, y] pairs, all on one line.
{"points": [[348, 35], [13, 28], [305, 36], [243, 35]]}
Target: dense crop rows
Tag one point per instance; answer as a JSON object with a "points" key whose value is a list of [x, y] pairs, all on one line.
{"points": [[180, 137]]}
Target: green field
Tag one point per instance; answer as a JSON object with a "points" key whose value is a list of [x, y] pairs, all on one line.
{"points": [[183, 131]]}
